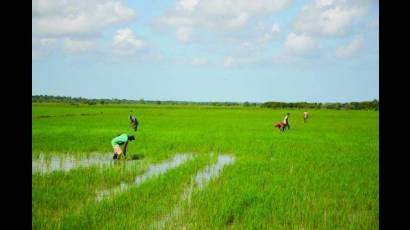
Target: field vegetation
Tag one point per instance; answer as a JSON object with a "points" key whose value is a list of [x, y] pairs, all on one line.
{"points": [[323, 174]]}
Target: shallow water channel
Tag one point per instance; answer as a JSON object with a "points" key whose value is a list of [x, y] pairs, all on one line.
{"points": [[68, 162], [153, 170], [199, 181]]}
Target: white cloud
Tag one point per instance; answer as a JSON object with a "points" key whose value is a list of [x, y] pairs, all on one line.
{"points": [[269, 35], [176, 21], [336, 21], [62, 18], [184, 34], [275, 29], [47, 41], [35, 55], [330, 17], [62, 25], [73, 45], [350, 49], [45, 7], [217, 16], [42, 47], [237, 21], [227, 7], [299, 44], [188, 5], [125, 42], [265, 38], [322, 3], [228, 62], [250, 49]]}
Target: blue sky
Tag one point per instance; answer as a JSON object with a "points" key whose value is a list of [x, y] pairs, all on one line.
{"points": [[193, 50]]}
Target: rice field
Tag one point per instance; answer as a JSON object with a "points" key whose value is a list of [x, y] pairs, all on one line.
{"points": [[204, 167]]}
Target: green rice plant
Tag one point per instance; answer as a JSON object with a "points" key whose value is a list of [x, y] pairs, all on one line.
{"points": [[323, 174]]}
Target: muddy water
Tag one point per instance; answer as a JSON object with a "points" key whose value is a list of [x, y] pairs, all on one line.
{"points": [[153, 170], [68, 162], [199, 181]]}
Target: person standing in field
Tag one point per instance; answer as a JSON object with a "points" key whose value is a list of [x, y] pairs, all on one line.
{"points": [[305, 116], [133, 122], [286, 121], [122, 139]]}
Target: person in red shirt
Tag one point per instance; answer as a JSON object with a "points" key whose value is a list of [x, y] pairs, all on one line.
{"points": [[282, 125]]}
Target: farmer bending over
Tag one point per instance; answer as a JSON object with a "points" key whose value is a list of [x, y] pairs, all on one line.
{"points": [[121, 140]]}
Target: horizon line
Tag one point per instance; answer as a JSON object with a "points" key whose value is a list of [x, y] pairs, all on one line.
{"points": [[170, 100]]}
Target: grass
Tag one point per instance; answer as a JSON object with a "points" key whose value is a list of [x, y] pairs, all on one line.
{"points": [[318, 175]]}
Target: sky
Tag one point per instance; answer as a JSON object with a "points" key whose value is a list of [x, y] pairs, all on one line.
{"points": [[207, 50]]}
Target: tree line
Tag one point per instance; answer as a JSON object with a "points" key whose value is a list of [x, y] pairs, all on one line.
{"points": [[81, 100], [364, 105]]}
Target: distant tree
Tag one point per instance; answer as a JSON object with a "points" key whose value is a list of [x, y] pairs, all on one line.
{"points": [[90, 102]]}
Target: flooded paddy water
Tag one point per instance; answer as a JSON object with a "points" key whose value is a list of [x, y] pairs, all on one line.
{"points": [[198, 182], [68, 162], [153, 170]]}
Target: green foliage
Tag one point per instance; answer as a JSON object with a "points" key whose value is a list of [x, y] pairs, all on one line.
{"points": [[364, 105], [322, 174], [80, 100]]}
